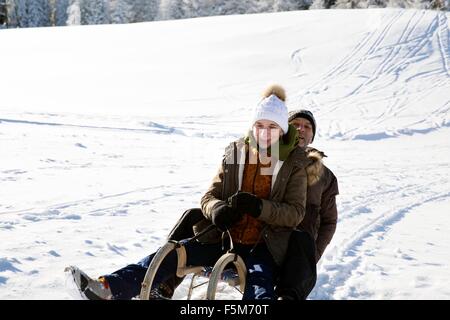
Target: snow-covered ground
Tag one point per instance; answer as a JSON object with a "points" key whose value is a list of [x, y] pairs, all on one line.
{"points": [[108, 133]]}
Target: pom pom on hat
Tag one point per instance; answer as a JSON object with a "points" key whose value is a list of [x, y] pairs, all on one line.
{"points": [[277, 90]]}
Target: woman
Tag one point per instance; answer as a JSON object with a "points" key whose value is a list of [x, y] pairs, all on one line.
{"points": [[259, 195]]}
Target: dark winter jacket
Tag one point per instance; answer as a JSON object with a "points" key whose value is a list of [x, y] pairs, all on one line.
{"points": [[321, 211], [284, 209]]}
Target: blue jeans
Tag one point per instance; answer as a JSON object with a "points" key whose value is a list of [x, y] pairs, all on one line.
{"points": [[126, 282]]}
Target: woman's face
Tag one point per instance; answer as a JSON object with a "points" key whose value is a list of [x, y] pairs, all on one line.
{"points": [[266, 132]]}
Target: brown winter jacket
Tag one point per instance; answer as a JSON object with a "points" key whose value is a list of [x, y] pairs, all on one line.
{"points": [[321, 211], [281, 212]]}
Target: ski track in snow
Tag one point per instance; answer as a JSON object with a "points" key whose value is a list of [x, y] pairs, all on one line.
{"points": [[352, 251], [398, 44], [157, 128], [56, 208]]}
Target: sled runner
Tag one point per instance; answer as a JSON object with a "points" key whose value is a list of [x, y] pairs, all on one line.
{"points": [[235, 276]]}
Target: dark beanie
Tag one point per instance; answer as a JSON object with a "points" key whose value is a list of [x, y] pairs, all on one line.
{"points": [[306, 114]]}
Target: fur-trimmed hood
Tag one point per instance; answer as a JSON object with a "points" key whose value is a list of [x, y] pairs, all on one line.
{"points": [[315, 169]]}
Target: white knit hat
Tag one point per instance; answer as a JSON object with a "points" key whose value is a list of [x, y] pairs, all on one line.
{"points": [[272, 107]]}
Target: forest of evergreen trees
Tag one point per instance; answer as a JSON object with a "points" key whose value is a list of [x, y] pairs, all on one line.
{"points": [[43, 13]]}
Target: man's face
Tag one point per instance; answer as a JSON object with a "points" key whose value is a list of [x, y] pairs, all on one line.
{"points": [[305, 131]]}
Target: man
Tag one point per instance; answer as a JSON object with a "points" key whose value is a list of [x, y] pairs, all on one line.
{"points": [[306, 246]]}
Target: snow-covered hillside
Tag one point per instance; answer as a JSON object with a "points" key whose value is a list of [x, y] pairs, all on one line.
{"points": [[108, 133]]}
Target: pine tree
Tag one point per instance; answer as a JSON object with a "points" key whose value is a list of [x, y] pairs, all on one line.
{"points": [[171, 9], [61, 12], [17, 13], [28, 13], [288, 5], [144, 10], [121, 11], [3, 13], [234, 7], [74, 13], [38, 13], [94, 12]]}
